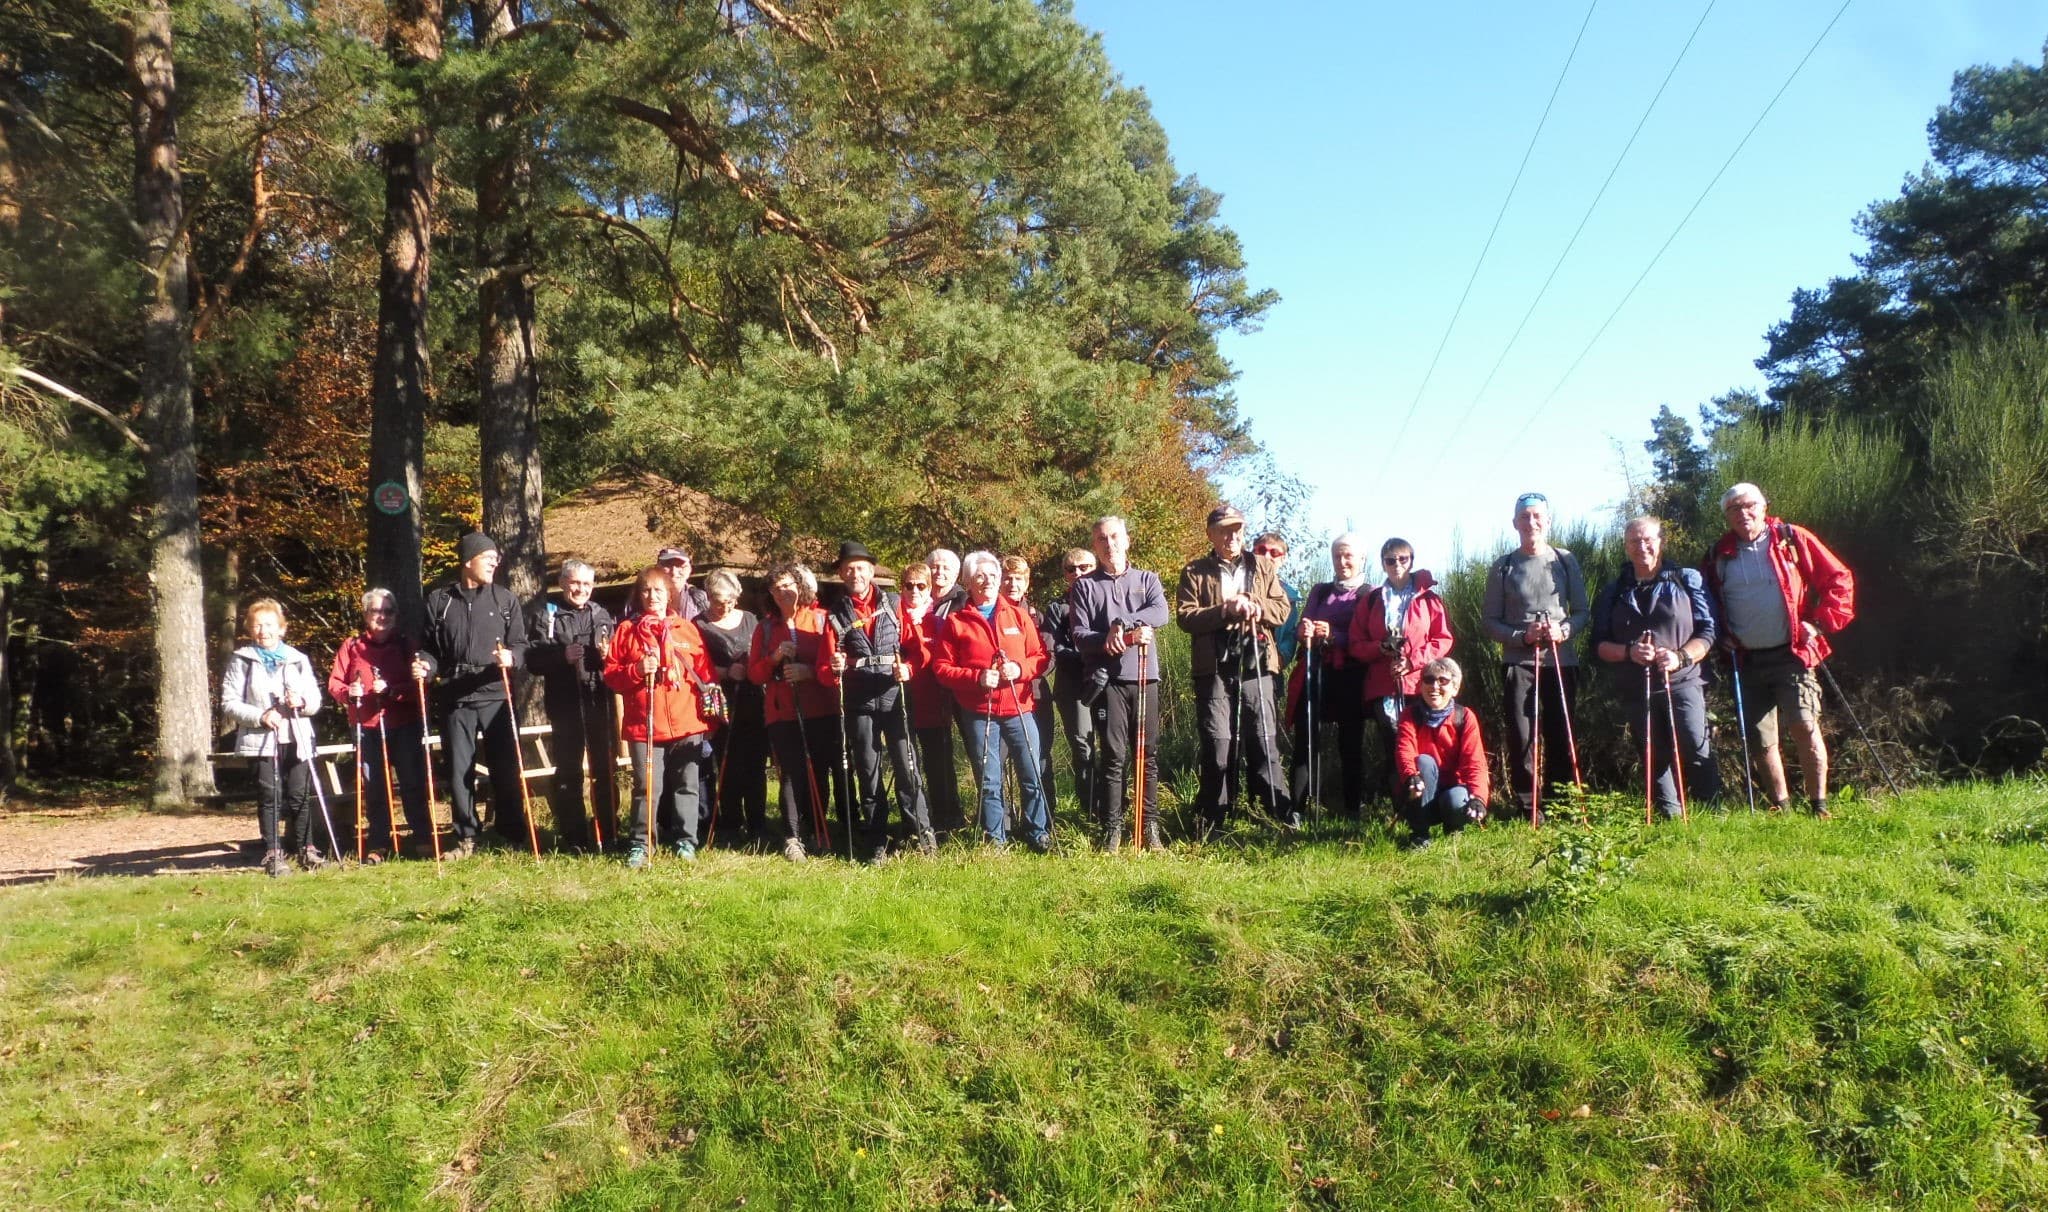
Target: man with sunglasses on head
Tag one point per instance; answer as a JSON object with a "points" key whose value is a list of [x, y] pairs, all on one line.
{"points": [[566, 644], [1535, 608]]}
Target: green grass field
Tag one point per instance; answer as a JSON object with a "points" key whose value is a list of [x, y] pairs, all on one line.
{"points": [[1736, 1013]]}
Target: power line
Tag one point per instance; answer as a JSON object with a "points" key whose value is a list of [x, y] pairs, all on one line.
{"points": [[1491, 233], [1584, 219], [1673, 237]]}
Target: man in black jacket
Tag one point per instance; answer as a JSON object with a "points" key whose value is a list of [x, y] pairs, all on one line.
{"points": [[566, 643], [473, 633], [861, 652]]}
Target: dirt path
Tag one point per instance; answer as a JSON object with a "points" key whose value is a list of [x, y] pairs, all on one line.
{"points": [[42, 840]]}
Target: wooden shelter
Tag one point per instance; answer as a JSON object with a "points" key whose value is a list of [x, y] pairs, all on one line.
{"points": [[617, 525]]}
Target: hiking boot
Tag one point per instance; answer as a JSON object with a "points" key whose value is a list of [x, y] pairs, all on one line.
{"points": [[311, 859], [373, 858], [1291, 822], [274, 864], [686, 851], [1415, 841], [1040, 843], [636, 858], [1820, 811], [793, 850], [879, 857], [927, 843], [463, 848]]}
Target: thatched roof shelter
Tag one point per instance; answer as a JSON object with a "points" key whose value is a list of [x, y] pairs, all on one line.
{"points": [[617, 525]]}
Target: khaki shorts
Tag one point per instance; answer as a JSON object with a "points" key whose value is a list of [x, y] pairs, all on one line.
{"points": [[1774, 678]]}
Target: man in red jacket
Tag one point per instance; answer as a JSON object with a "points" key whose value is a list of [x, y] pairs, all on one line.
{"points": [[1782, 593]]}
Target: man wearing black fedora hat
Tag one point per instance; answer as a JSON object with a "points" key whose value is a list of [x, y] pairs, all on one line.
{"points": [[861, 656]]}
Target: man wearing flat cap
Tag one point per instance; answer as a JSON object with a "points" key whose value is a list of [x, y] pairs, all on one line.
{"points": [[1230, 601], [689, 601], [473, 633], [862, 651]]}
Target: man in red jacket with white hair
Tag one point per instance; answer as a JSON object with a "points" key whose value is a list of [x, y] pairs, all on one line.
{"points": [[1782, 593]]}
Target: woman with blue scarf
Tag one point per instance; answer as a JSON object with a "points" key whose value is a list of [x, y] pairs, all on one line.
{"points": [[271, 694], [1441, 756]]}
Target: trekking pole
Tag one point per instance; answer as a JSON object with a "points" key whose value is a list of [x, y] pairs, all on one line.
{"points": [[1847, 706], [384, 756], [591, 761], [1536, 742], [1649, 766], [355, 697], [849, 799], [512, 717], [819, 832], [1265, 726], [1742, 726], [647, 789], [718, 787], [312, 772], [427, 760], [1037, 771], [1308, 717], [319, 797], [1677, 764], [988, 724], [1564, 706], [1138, 775]]}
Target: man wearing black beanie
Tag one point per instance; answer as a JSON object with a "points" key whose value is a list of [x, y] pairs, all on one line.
{"points": [[473, 631]]}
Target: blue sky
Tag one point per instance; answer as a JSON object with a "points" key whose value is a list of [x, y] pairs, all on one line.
{"points": [[1363, 151]]}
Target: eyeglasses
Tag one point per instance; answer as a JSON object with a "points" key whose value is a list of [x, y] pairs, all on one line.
{"points": [[1438, 681], [1406, 559], [924, 585]]}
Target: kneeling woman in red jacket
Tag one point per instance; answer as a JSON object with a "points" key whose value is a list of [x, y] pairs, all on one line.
{"points": [[1441, 757], [657, 661]]}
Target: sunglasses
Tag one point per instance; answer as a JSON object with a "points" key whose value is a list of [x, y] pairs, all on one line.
{"points": [[1438, 681], [1406, 559], [1083, 568]]}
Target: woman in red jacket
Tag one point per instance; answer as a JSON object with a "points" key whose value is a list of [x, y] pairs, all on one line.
{"points": [[658, 663], [1441, 756], [803, 716], [930, 704], [988, 654], [372, 675], [1400, 627]]}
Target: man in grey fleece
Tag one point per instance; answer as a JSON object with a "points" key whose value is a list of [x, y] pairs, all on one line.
{"points": [[1536, 599]]}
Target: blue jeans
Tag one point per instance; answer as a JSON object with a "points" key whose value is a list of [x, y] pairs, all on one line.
{"points": [[1446, 807], [987, 737]]}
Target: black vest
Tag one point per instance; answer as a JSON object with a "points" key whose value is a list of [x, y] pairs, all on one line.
{"points": [[872, 651]]}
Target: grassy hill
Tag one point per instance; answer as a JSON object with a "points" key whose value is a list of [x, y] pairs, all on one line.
{"points": [[1738, 1013]]}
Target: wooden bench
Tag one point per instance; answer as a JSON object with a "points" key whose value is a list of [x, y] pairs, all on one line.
{"points": [[334, 766]]}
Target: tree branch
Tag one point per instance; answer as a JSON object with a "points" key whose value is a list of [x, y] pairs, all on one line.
{"points": [[58, 389]]}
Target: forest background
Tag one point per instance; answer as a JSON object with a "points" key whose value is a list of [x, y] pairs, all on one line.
{"points": [[919, 272]]}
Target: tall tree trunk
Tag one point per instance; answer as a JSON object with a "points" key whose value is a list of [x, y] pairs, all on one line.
{"points": [[183, 705], [398, 396], [509, 418], [10, 174], [8, 767]]}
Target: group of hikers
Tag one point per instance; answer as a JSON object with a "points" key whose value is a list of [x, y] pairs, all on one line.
{"points": [[706, 695]]}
